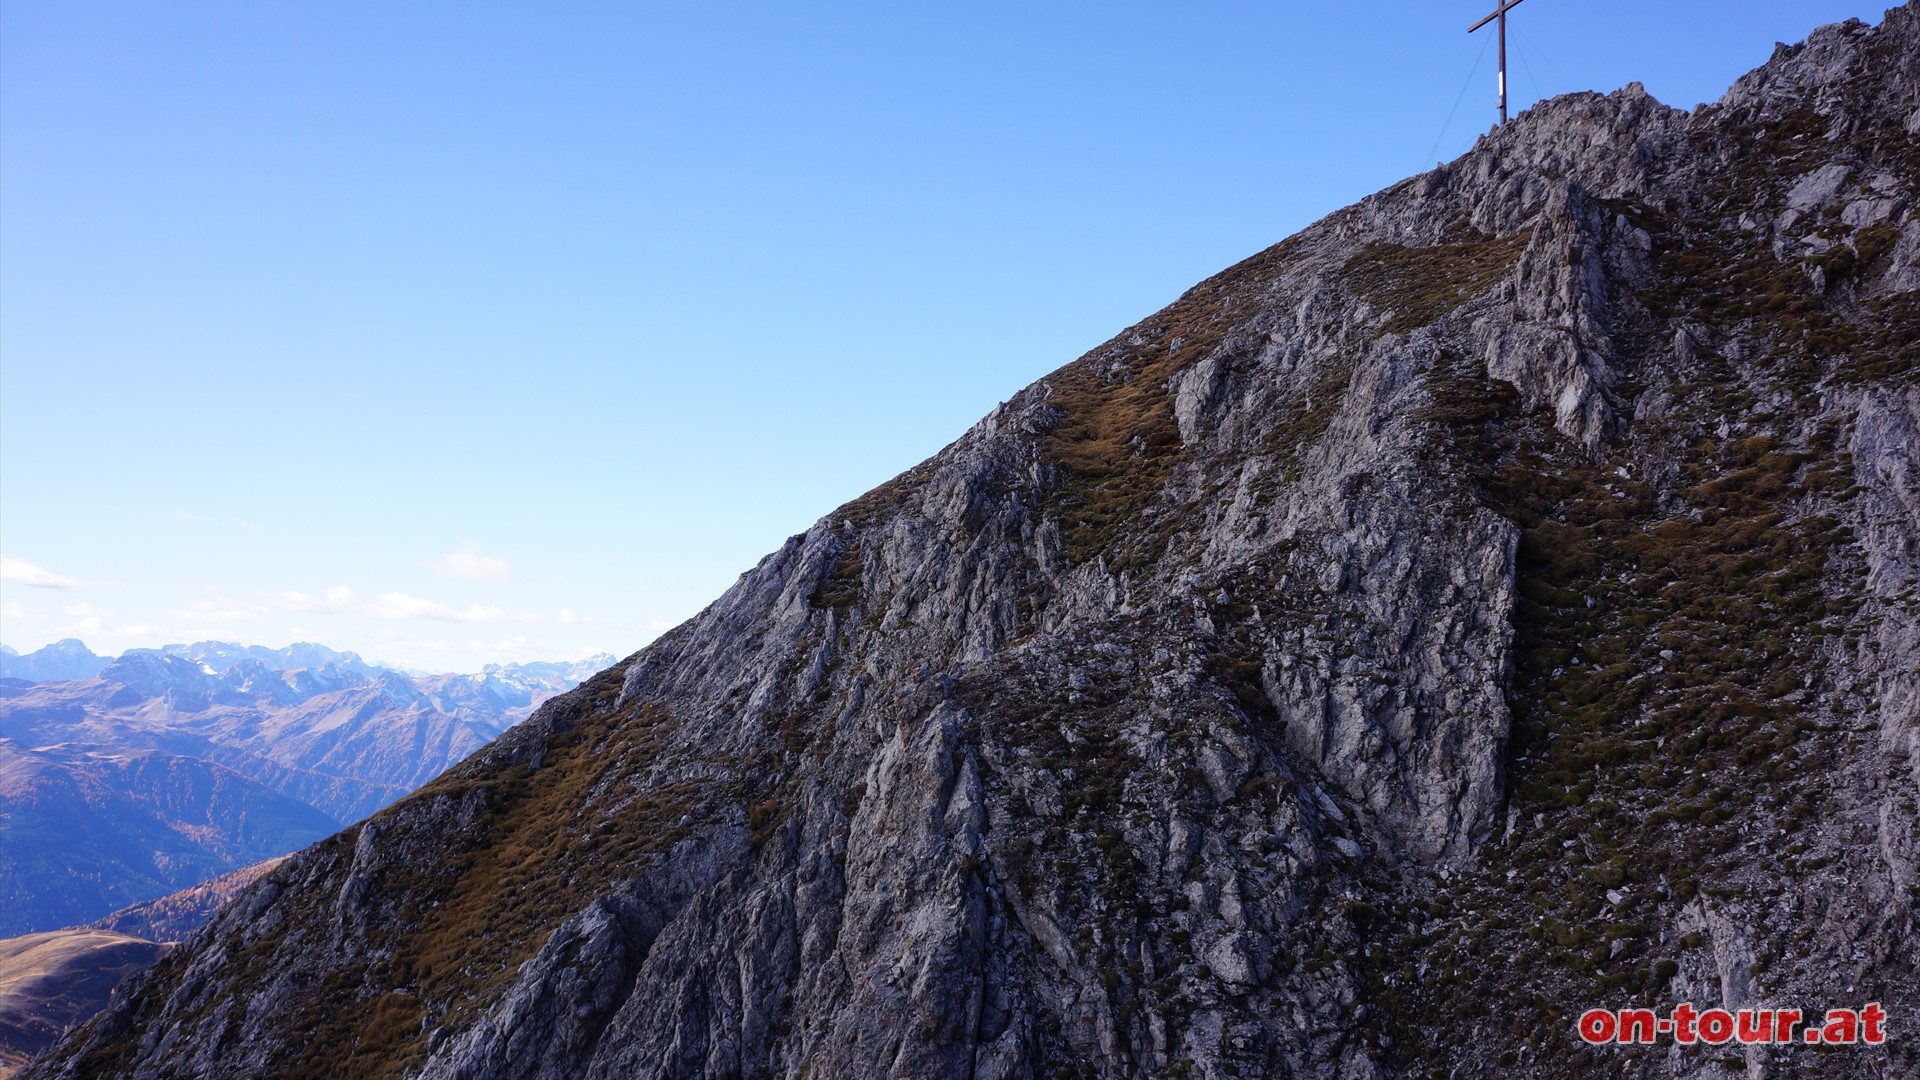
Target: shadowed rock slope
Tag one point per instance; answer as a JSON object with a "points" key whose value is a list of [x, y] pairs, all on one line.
{"points": [[1495, 600]]}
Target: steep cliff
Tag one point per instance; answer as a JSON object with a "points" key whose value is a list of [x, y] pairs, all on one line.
{"points": [[1497, 599]]}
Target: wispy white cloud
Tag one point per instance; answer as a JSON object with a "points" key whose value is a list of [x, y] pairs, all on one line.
{"points": [[398, 607], [338, 601], [12, 610], [568, 617], [402, 606], [512, 645], [92, 622], [219, 610], [22, 572], [392, 640], [470, 564], [438, 654]]}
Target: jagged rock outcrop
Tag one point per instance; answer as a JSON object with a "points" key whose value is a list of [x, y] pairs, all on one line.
{"points": [[1496, 600]]}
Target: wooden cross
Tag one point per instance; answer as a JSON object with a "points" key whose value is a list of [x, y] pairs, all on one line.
{"points": [[1505, 6]]}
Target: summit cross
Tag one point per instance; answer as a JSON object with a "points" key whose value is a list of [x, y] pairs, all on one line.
{"points": [[1501, 14]]}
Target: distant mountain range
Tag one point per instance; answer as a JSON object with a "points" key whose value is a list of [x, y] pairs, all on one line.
{"points": [[87, 832], [70, 658], [125, 779]]}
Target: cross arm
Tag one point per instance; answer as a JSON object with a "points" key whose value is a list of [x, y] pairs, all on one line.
{"points": [[1505, 6]]}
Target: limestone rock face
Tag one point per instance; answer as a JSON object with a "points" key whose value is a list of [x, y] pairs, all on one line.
{"points": [[1496, 600]]}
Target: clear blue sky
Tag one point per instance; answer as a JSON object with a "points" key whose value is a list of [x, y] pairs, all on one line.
{"points": [[523, 329]]}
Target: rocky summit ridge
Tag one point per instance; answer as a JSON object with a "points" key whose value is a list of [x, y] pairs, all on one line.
{"points": [[1496, 600]]}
